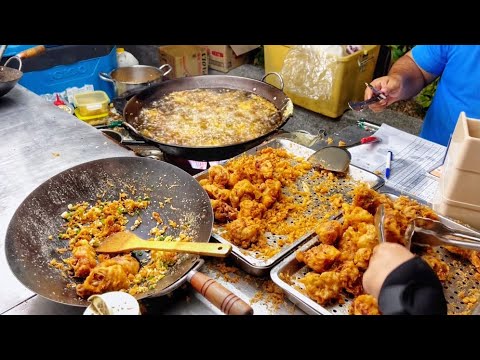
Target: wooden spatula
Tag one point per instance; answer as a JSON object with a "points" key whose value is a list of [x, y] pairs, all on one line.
{"points": [[126, 241]]}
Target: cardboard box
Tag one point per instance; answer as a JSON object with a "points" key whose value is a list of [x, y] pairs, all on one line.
{"points": [[227, 57], [185, 60]]}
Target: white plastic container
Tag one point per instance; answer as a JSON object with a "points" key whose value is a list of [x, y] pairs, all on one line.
{"points": [[124, 58], [457, 195]]}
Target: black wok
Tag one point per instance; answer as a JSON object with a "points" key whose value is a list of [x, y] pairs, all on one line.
{"points": [[29, 251], [9, 77], [208, 153]]}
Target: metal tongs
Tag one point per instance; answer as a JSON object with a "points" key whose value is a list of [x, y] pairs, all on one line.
{"points": [[428, 232], [361, 105]]}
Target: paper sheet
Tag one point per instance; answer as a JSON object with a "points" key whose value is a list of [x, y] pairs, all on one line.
{"points": [[413, 158]]}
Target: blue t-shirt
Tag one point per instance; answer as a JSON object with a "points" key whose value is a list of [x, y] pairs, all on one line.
{"points": [[458, 89]]}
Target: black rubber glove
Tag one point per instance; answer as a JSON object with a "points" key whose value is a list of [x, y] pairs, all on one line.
{"points": [[412, 289]]}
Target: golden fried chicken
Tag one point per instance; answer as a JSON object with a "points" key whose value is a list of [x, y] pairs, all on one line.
{"points": [[323, 287], [253, 209], [367, 236], [318, 258], [411, 209], [440, 267], [395, 225], [243, 190], [265, 168], [353, 215], [271, 190], [83, 259], [243, 232], [350, 277], [218, 175], [110, 275], [362, 258], [364, 305], [369, 199], [222, 211], [215, 192], [329, 231]]}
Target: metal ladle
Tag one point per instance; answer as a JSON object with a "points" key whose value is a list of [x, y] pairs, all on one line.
{"points": [[337, 158]]}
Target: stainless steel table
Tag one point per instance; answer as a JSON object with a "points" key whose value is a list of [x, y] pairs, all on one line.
{"points": [[41, 140]]}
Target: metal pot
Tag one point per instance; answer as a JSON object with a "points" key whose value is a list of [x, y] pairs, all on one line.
{"points": [[208, 153], [135, 77]]}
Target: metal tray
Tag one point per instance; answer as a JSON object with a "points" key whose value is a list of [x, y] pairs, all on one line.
{"points": [[249, 261], [460, 279]]}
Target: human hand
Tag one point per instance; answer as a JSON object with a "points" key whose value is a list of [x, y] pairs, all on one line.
{"points": [[390, 86], [386, 257]]}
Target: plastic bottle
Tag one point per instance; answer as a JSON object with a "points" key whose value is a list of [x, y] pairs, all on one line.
{"points": [[124, 58]]}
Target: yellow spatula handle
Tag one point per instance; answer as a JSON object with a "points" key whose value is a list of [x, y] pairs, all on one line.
{"points": [[199, 248]]}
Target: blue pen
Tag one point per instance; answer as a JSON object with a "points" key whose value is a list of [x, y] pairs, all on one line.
{"points": [[389, 163]]}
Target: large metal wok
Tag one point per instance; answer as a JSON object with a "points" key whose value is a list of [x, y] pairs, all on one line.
{"points": [[9, 77], [29, 250], [208, 153]]}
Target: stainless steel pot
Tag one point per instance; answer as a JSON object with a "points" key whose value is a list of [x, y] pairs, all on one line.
{"points": [[135, 77]]}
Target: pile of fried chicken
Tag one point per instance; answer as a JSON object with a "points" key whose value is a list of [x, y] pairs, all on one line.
{"points": [[345, 248]]}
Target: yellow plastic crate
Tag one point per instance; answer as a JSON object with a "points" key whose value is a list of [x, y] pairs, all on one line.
{"points": [[350, 75]]}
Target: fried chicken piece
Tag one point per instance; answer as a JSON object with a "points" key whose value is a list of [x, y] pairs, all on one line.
{"points": [[329, 231], [323, 287], [271, 190], [348, 244], [319, 258], [438, 266], [395, 225], [253, 209], [353, 215], [369, 199], [362, 258], [265, 168], [243, 190], [364, 305], [411, 209], [110, 275], [215, 192], [222, 211], [367, 236], [243, 232], [351, 278], [83, 259], [218, 175]]}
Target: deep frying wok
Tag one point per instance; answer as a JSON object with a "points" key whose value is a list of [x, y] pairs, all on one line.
{"points": [[9, 77], [29, 251], [208, 153]]}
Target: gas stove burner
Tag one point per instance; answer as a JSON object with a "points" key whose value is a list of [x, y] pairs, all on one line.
{"points": [[193, 167]]}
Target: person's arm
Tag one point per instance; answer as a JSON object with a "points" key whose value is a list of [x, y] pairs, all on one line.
{"points": [[403, 283], [404, 80]]}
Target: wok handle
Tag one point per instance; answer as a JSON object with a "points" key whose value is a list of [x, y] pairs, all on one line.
{"points": [[37, 50], [218, 295], [282, 84], [165, 66]]}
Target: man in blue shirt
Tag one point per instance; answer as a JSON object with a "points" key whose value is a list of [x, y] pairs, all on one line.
{"points": [[458, 89]]}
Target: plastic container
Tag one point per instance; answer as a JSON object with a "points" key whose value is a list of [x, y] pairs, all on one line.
{"points": [[124, 58], [91, 103], [348, 82], [65, 66], [457, 194]]}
